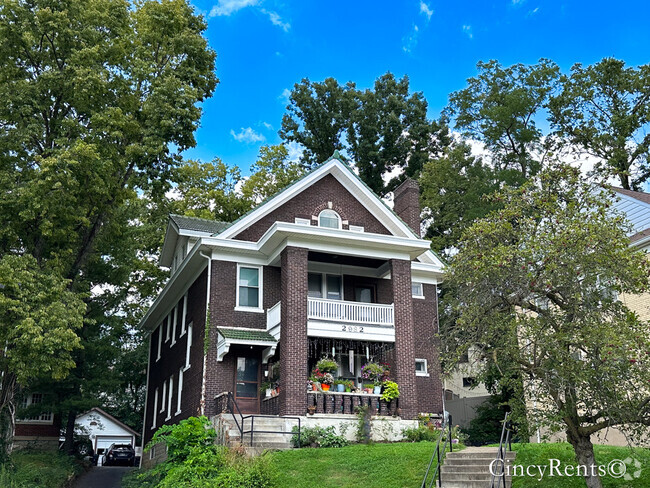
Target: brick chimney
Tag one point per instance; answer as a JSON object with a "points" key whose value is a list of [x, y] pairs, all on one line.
{"points": [[406, 203]]}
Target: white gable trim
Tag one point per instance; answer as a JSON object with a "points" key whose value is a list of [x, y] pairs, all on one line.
{"points": [[349, 181]]}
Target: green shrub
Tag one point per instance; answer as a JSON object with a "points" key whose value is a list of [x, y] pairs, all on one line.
{"points": [[43, 469], [317, 437], [181, 439], [421, 433]]}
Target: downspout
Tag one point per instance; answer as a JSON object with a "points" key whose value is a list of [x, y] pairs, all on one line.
{"points": [[444, 381], [206, 328]]}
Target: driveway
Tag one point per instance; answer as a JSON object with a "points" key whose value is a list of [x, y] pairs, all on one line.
{"points": [[102, 477]]}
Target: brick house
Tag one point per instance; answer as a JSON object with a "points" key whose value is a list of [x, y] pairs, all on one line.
{"points": [[39, 429], [323, 268]]}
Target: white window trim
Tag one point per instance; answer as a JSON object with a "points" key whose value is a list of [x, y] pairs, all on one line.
{"points": [[168, 324], [152, 452], [30, 401], [180, 391], [169, 397], [421, 288], [356, 228], [323, 284], [301, 221], [188, 346], [159, 342], [183, 324], [426, 367], [164, 397], [260, 276], [175, 312], [155, 409], [337, 214]]}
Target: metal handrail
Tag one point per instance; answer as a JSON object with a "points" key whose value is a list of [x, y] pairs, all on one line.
{"points": [[439, 455], [500, 461], [232, 402]]}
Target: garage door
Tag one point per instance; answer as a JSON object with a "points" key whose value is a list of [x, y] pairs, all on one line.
{"points": [[104, 442]]}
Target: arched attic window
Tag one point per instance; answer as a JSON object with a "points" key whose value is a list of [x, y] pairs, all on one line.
{"points": [[329, 218]]}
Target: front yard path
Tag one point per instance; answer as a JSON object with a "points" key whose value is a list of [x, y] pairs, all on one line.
{"points": [[102, 477]]}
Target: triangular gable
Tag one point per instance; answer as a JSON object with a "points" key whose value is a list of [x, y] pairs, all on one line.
{"points": [[107, 418], [349, 180]]}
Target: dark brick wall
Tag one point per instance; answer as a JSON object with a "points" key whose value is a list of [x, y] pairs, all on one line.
{"points": [[223, 295], [404, 337], [172, 358], [406, 203], [311, 202], [39, 430], [426, 347], [293, 341]]}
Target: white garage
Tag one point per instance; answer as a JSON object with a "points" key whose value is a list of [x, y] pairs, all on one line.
{"points": [[103, 430]]}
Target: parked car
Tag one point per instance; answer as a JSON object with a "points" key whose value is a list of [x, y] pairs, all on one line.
{"points": [[119, 454]]}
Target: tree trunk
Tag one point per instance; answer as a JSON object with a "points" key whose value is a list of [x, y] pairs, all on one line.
{"points": [[68, 445], [7, 415], [584, 450]]}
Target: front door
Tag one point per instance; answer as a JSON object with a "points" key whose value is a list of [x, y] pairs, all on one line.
{"points": [[247, 384]]}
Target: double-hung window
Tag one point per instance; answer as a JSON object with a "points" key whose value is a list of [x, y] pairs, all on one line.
{"points": [[249, 288], [417, 290], [325, 286]]}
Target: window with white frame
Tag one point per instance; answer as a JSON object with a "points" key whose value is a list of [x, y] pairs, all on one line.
{"points": [[152, 452], [330, 219], [155, 409], [328, 286], [180, 391], [188, 346], [417, 290], [175, 321], [168, 325], [159, 341], [169, 397], [249, 287], [183, 325], [164, 397], [34, 399], [421, 368]]}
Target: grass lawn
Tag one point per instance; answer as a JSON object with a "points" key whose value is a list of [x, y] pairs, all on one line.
{"points": [[40, 469], [539, 454], [403, 464], [363, 466]]}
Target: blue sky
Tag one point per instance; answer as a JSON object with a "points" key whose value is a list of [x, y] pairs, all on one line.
{"points": [[265, 46]]}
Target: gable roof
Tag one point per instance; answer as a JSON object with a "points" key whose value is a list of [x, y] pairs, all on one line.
{"points": [[109, 417], [246, 334], [636, 207], [344, 174], [197, 224]]}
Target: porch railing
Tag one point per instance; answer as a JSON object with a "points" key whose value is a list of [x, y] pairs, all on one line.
{"points": [[273, 315], [351, 312], [346, 403]]}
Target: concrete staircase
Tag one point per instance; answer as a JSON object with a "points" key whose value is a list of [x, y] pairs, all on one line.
{"points": [[470, 468], [229, 433]]}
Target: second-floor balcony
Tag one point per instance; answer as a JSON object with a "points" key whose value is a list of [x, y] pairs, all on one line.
{"points": [[342, 319], [350, 312]]}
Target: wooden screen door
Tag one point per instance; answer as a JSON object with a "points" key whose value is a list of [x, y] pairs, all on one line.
{"points": [[247, 384]]}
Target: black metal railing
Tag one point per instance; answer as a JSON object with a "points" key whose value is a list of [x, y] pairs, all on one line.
{"points": [[438, 455], [229, 405], [498, 466]]}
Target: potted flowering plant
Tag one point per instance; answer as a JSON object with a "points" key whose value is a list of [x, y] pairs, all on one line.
{"points": [[376, 373], [326, 381]]}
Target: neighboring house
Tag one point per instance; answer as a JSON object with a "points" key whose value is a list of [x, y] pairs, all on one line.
{"points": [[39, 430], [461, 383], [103, 430], [323, 268]]}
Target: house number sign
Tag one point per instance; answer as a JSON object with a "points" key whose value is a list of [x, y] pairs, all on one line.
{"points": [[351, 328]]}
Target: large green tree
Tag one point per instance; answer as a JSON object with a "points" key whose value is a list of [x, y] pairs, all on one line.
{"points": [[382, 129], [99, 99], [499, 108], [604, 110], [536, 285]]}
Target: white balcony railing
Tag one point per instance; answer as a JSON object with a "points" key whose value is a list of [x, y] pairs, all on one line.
{"points": [[273, 315], [350, 312]]}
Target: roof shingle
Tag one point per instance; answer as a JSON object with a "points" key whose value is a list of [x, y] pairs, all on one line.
{"points": [[246, 334], [198, 224]]}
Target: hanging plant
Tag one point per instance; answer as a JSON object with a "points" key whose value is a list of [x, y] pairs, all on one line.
{"points": [[326, 365]]}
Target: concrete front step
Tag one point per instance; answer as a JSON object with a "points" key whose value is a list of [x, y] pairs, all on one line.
{"points": [[470, 468], [471, 484]]}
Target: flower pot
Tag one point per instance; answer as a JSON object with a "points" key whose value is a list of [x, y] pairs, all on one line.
{"points": [[377, 390], [268, 392], [340, 388], [325, 387], [367, 390], [347, 390], [311, 409], [314, 386]]}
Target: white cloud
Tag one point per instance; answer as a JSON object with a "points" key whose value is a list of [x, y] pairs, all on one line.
{"points": [[275, 19], [284, 96], [409, 42], [467, 29], [227, 7], [426, 10], [267, 125], [517, 2], [295, 150], [247, 135], [532, 12]]}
